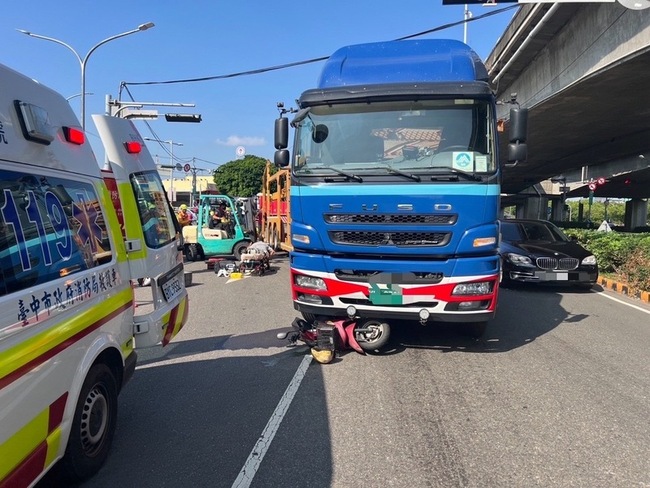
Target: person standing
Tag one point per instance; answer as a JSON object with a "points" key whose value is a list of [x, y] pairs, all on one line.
{"points": [[183, 216]]}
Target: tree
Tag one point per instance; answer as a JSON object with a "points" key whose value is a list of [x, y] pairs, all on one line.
{"points": [[241, 177]]}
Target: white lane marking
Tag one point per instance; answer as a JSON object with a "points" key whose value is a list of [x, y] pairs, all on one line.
{"points": [[603, 294], [262, 445]]}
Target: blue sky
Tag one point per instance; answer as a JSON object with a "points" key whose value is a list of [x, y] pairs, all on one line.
{"points": [[195, 39]]}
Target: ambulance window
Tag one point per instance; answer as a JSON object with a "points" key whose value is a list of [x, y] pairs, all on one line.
{"points": [[49, 228], [155, 212]]}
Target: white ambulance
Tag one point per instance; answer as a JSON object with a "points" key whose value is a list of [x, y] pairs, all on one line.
{"points": [[74, 237]]}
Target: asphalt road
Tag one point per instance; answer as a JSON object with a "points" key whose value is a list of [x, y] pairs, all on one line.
{"points": [[557, 394]]}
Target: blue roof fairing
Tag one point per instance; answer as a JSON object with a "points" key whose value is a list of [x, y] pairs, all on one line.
{"points": [[431, 60]]}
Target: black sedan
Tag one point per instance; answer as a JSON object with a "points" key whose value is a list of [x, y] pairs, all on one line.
{"points": [[536, 251]]}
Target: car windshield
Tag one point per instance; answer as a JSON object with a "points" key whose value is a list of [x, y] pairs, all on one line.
{"points": [[532, 231], [396, 138]]}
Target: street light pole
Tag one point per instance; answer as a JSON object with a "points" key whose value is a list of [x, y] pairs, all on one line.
{"points": [[171, 162], [83, 61]]}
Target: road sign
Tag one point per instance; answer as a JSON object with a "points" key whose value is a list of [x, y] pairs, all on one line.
{"points": [[178, 167], [187, 168], [593, 186], [600, 181]]}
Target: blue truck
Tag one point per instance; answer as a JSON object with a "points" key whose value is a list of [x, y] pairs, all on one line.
{"points": [[395, 188]]}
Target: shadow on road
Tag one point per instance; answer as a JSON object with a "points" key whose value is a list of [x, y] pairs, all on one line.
{"points": [[523, 314], [194, 423]]}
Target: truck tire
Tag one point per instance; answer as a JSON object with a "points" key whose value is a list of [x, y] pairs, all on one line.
{"points": [[93, 425]]}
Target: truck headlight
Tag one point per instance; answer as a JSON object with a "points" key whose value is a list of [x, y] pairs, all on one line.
{"points": [[481, 288], [311, 282]]}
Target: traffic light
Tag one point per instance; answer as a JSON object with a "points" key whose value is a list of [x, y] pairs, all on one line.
{"points": [[183, 118]]}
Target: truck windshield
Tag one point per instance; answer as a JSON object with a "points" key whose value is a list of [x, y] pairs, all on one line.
{"points": [[420, 138]]}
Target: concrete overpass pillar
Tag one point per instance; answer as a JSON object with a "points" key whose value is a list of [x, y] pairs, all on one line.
{"points": [[636, 213], [557, 210], [533, 208]]}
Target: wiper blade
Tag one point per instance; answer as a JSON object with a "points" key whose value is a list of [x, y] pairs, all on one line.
{"points": [[349, 176], [453, 173], [394, 171]]}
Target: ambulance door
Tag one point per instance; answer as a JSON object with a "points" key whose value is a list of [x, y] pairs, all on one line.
{"points": [[149, 228]]}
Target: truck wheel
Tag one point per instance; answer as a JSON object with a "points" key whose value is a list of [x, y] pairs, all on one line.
{"points": [[239, 249], [93, 425], [372, 335], [192, 252]]}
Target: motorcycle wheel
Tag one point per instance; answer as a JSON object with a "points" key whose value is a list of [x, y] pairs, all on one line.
{"points": [[374, 337]]}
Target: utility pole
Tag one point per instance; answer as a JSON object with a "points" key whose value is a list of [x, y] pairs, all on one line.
{"points": [[194, 169]]}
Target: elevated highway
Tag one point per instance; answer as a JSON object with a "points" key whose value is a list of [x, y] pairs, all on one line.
{"points": [[583, 71]]}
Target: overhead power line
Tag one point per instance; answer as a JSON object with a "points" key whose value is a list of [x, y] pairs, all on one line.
{"points": [[309, 61]]}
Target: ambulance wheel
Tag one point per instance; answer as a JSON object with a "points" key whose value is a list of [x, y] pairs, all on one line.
{"points": [[372, 335], [93, 425]]}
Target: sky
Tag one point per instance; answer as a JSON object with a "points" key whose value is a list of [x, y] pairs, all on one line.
{"points": [[213, 38]]}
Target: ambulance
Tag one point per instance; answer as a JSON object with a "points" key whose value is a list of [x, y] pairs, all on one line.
{"points": [[75, 237]]}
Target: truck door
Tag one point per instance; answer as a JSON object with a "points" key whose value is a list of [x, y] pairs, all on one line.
{"points": [[149, 229]]}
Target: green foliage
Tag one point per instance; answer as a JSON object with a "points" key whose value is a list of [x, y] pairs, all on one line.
{"points": [[625, 254], [635, 271], [241, 177], [615, 211]]}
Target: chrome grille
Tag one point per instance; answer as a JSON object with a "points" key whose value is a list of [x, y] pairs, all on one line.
{"points": [[399, 239], [434, 219], [548, 263]]}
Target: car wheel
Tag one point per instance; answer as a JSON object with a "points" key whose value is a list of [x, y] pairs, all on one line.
{"points": [[93, 425]]}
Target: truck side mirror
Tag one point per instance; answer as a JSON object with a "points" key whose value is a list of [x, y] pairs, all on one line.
{"points": [[281, 158], [518, 125], [517, 147], [281, 133]]}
